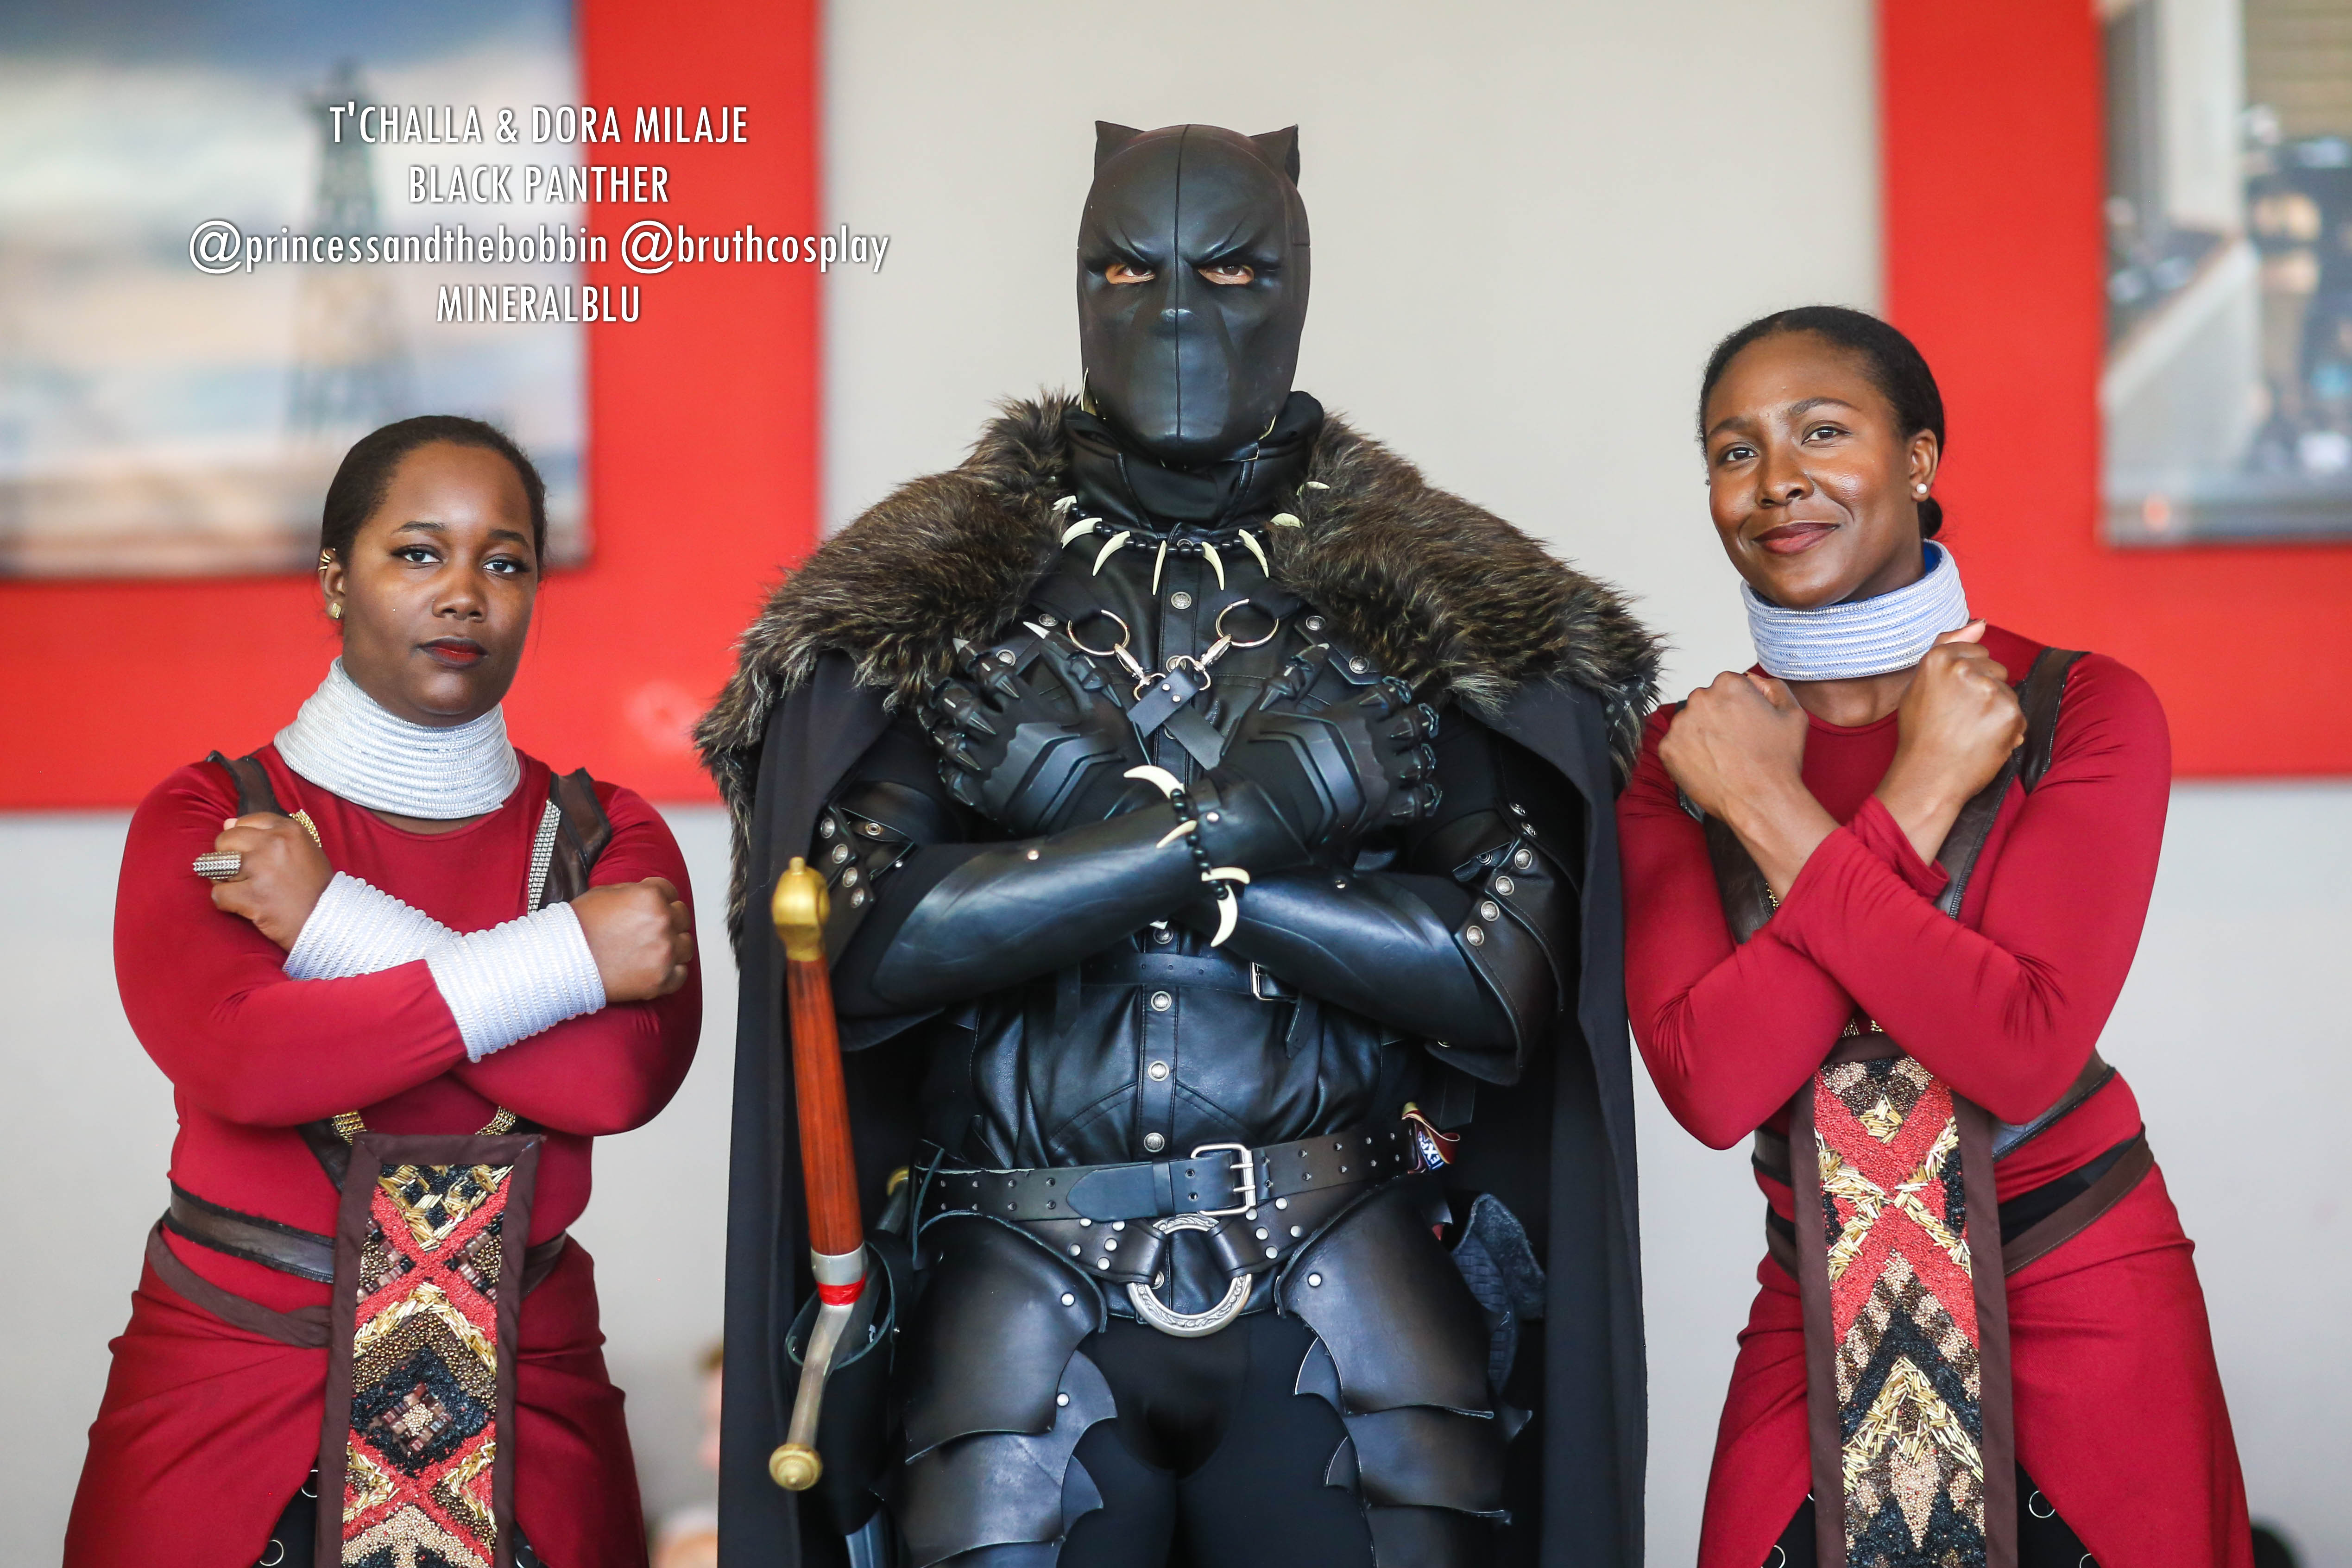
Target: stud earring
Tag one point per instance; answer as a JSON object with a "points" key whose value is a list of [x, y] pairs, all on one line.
{"points": [[334, 612], [1921, 488]]}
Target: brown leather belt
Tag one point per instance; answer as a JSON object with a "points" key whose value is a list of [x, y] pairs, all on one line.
{"points": [[305, 1254]]}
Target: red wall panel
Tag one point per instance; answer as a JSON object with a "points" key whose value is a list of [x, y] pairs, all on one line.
{"points": [[1995, 260], [703, 480]]}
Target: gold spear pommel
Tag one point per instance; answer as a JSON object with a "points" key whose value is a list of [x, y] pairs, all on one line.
{"points": [[799, 911]]}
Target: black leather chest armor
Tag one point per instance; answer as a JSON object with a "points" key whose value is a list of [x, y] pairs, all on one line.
{"points": [[1160, 1042]]}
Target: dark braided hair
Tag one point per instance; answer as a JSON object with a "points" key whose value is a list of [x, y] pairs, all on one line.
{"points": [[367, 469], [1896, 369]]}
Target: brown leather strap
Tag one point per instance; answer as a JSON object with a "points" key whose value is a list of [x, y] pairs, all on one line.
{"points": [[580, 839], [305, 1328], [2040, 695], [290, 1250], [254, 791], [2080, 1213]]}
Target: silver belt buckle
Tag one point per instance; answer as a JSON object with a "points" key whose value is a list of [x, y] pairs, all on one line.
{"points": [[1245, 1177], [1188, 1325], [1258, 976]]}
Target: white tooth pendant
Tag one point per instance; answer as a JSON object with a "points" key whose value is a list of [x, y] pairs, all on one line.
{"points": [[1118, 542], [1285, 520], [1249, 542], [1078, 529], [1159, 559], [1167, 783], [1229, 908], [1216, 563], [1062, 506]]}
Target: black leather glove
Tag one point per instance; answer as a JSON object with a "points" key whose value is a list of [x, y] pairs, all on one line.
{"points": [[1029, 736], [1333, 759]]}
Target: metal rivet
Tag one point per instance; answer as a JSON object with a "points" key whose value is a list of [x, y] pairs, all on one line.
{"points": [[1518, 809], [1075, 1250], [1004, 655], [1315, 1279], [873, 829], [1061, 1399], [1085, 1224], [1523, 860], [840, 854], [849, 877], [1357, 666], [1159, 1070], [1531, 831], [1068, 1299], [1343, 1171], [1282, 1203], [1475, 937], [1161, 1001], [1214, 818], [1314, 623], [1049, 1202], [824, 830], [1045, 618], [1163, 938], [857, 899], [1299, 1231], [1487, 910], [1158, 1280], [1249, 1214], [1110, 1243], [1031, 855], [1122, 1224], [1505, 886], [1154, 1142], [1273, 1253], [1180, 599], [1102, 1262], [1260, 1233]]}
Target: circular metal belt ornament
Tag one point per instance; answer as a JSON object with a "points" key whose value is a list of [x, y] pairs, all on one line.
{"points": [[1187, 1325]]}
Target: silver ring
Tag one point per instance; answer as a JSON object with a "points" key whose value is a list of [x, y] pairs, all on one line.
{"points": [[1219, 628], [269, 1562], [1781, 1558], [1069, 629], [2047, 1510], [219, 865], [1187, 1325]]}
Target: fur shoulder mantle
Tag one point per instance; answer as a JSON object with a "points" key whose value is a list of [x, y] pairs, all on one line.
{"points": [[1434, 589]]}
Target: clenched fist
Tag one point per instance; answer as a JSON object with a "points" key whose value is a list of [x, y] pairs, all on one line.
{"points": [[1739, 740], [280, 878], [1960, 721], [641, 936]]}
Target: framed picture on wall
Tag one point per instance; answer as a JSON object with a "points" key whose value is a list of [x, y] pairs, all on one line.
{"points": [[215, 274], [2227, 390]]}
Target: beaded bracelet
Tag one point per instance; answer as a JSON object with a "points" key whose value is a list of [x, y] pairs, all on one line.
{"points": [[1218, 879]]}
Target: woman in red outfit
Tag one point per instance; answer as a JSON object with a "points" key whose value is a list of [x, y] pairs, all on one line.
{"points": [[1839, 767], [414, 932]]}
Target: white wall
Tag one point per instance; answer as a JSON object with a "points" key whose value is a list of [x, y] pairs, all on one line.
{"points": [[1531, 220]]}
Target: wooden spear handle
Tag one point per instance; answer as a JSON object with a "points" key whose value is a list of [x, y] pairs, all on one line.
{"points": [[828, 1170]]}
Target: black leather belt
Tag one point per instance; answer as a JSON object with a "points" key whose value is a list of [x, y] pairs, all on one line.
{"points": [[1214, 1179], [1114, 1222], [1129, 966]]}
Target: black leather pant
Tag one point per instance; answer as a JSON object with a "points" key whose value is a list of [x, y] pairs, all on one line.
{"points": [[2043, 1540]]}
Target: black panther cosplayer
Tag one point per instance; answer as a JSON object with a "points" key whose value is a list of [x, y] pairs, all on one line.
{"points": [[1223, 928]]}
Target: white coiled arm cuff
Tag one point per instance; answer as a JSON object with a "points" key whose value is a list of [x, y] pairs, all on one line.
{"points": [[511, 981], [357, 928]]}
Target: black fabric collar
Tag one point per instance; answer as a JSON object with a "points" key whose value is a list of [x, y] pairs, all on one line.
{"points": [[1117, 481]]}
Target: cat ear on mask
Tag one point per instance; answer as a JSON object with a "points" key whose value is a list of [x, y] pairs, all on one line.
{"points": [[1110, 139], [1279, 149]]}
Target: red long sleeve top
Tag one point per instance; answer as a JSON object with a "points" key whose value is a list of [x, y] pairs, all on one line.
{"points": [[251, 1054], [2005, 1004]]}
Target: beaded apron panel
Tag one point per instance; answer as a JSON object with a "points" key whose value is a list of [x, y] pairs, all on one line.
{"points": [[420, 1395], [1893, 1295]]}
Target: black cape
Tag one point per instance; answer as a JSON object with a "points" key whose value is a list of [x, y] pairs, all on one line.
{"points": [[1435, 589]]}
